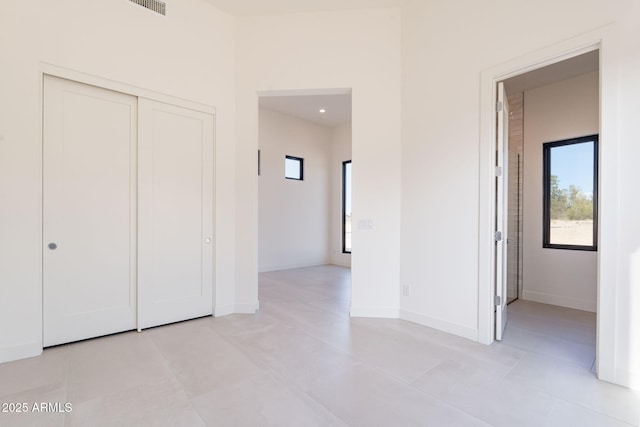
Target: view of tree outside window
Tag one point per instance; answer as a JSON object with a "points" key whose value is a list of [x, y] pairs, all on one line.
{"points": [[571, 193]]}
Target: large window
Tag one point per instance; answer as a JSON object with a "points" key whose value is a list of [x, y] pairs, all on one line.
{"points": [[346, 207], [570, 174]]}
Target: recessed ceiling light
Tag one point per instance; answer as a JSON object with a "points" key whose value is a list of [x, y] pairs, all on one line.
{"points": [[322, 111]]}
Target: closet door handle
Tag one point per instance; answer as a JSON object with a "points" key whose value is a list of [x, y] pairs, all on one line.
{"points": [[53, 246]]}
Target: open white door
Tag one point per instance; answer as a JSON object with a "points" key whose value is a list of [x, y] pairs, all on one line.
{"points": [[89, 204], [502, 147], [175, 265]]}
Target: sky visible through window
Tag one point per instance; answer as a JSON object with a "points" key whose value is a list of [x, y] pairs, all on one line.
{"points": [[293, 168], [570, 194], [573, 165]]}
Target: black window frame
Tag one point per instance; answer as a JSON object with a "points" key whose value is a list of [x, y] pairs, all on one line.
{"points": [[344, 207], [546, 193], [301, 161]]}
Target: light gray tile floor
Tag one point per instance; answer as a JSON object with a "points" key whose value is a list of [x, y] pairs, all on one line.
{"points": [[301, 361]]}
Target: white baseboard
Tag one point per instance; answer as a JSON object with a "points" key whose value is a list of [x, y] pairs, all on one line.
{"points": [[248, 308], [224, 310], [316, 263], [559, 300], [24, 351], [342, 261], [628, 379], [441, 325], [375, 312]]}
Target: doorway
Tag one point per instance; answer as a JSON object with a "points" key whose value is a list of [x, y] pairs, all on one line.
{"points": [[304, 145], [304, 140], [553, 106]]}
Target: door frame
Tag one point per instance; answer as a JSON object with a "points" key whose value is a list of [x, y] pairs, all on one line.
{"points": [[605, 40]]}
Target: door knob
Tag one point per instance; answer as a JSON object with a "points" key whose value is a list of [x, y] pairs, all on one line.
{"points": [[53, 246]]}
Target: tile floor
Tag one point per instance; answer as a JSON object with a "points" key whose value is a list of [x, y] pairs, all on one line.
{"points": [[302, 362]]}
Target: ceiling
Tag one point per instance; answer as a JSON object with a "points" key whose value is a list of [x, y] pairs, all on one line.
{"points": [[338, 107], [553, 73], [307, 107], [274, 7]]}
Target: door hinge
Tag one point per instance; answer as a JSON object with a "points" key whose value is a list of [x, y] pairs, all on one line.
{"points": [[499, 106], [498, 171], [498, 236], [497, 300]]}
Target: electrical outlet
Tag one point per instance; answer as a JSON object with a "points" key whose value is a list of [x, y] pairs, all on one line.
{"points": [[406, 290]]}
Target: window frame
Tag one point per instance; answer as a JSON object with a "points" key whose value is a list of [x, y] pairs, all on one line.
{"points": [[299, 160], [344, 207], [546, 193]]}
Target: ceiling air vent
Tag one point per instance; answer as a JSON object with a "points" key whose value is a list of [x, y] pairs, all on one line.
{"points": [[155, 5]]}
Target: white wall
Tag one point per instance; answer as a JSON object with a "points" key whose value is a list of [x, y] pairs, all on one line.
{"points": [[446, 46], [355, 49], [558, 111], [189, 54], [340, 152], [293, 215]]}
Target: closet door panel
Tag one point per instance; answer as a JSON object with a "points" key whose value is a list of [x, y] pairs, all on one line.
{"points": [[175, 213], [89, 211]]}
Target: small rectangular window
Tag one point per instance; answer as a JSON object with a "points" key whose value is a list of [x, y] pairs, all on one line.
{"points": [[570, 180], [346, 207], [294, 168]]}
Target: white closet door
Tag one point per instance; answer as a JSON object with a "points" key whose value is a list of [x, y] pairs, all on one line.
{"points": [[89, 208], [175, 214]]}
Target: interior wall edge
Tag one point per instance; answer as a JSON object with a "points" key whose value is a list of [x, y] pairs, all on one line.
{"points": [[317, 263], [246, 308], [223, 310], [377, 312], [439, 324], [559, 300]]}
